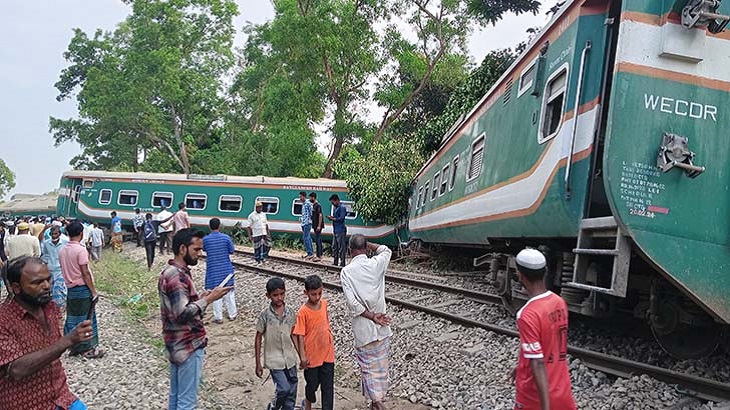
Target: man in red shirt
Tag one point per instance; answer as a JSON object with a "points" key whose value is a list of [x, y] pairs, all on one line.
{"points": [[31, 374], [542, 376]]}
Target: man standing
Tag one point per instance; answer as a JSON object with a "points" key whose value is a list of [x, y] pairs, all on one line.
{"points": [[542, 376], [22, 244], [363, 283], [317, 225], [74, 259], [137, 222], [37, 227], [165, 230], [181, 310], [181, 220], [306, 220], [50, 249], [96, 237], [31, 344], [116, 232], [339, 229], [258, 233], [218, 249]]}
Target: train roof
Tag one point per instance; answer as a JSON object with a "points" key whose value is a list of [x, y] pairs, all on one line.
{"points": [[456, 127], [335, 183], [29, 203]]}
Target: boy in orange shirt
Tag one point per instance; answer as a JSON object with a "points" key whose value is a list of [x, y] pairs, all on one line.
{"points": [[316, 346]]}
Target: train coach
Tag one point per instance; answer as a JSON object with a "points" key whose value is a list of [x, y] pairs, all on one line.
{"points": [[92, 195], [604, 144]]}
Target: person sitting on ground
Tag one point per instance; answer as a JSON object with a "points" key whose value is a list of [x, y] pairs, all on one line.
{"points": [[315, 346], [280, 355], [181, 311], [32, 376], [218, 249], [542, 376]]}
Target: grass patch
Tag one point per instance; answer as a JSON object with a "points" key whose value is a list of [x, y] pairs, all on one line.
{"points": [[128, 284]]}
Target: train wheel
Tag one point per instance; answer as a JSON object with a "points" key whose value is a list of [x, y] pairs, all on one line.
{"points": [[683, 341]]}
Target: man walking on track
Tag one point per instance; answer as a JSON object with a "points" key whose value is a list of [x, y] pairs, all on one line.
{"points": [[317, 225], [363, 283], [181, 310], [306, 220], [74, 259], [339, 248], [218, 249], [258, 233], [31, 345], [542, 377]]}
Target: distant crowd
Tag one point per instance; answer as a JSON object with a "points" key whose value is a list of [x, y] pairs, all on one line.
{"points": [[51, 299]]}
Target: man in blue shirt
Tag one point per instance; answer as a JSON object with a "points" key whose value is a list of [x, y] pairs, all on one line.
{"points": [[306, 220], [116, 226], [49, 254], [218, 249], [339, 248]]}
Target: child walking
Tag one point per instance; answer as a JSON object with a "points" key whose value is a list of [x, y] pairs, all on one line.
{"points": [[275, 326], [316, 346]]}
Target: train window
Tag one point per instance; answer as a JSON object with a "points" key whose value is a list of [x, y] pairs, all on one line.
{"points": [[426, 191], [444, 179], [270, 204], [553, 105], [349, 207], [230, 203], [477, 157], [76, 193], [436, 181], [455, 164], [420, 196], [160, 199], [195, 201], [88, 183], [296, 207], [127, 197], [528, 77], [105, 196]]}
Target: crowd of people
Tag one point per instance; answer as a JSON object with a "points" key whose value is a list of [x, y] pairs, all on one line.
{"points": [[50, 309]]}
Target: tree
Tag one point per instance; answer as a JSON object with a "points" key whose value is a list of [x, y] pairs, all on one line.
{"points": [[7, 179], [152, 89]]}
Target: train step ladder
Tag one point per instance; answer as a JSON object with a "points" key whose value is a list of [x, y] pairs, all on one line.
{"points": [[599, 239]]}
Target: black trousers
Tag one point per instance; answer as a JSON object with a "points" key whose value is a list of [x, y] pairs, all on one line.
{"points": [[339, 248], [149, 249], [321, 376], [165, 242]]}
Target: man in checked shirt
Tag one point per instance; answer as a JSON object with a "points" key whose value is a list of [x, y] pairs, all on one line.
{"points": [[181, 309]]}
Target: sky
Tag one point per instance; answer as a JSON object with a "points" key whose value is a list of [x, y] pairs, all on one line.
{"points": [[35, 33]]}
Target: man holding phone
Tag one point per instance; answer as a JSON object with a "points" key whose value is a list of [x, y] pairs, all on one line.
{"points": [[181, 310], [31, 373]]}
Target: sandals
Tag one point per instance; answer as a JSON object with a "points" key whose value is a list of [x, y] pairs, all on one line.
{"points": [[95, 353]]}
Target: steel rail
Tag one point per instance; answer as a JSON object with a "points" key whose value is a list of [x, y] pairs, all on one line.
{"points": [[693, 385]]}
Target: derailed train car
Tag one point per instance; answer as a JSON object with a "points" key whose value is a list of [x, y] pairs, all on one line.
{"points": [[92, 195], [605, 145]]}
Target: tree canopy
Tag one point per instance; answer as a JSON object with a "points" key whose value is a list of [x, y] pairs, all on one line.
{"points": [[7, 179]]}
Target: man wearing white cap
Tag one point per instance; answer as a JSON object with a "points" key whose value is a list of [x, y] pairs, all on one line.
{"points": [[542, 376]]}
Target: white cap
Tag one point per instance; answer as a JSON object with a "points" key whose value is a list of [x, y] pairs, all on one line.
{"points": [[531, 259]]}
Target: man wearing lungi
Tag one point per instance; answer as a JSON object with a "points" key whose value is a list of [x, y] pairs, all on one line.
{"points": [[363, 283], [258, 233]]}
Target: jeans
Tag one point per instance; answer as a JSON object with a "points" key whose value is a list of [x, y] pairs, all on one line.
{"points": [[285, 381], [149, 250], [307, 239], [184, 381], [321, 376], [165, 242], [339, 248], [318, 242], [230, 299]]}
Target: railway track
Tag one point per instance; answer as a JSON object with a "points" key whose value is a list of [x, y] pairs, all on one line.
{"points": [[290, 268]]}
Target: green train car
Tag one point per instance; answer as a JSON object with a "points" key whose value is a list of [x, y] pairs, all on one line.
{"points": [[605, 145], [92, 195]]}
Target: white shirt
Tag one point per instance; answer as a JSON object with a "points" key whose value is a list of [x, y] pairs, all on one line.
{"points": [[167, 226], [97, 237], [363, 283], [258, 222]]}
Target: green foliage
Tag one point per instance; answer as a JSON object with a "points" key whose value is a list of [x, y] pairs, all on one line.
{"points": [[7, 179], [380, 182]]}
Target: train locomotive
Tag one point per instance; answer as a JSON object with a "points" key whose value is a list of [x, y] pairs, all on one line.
{"points": [[92, 195], [604, 146]]}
